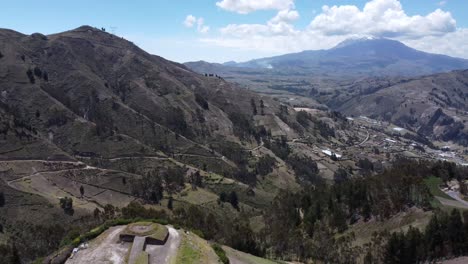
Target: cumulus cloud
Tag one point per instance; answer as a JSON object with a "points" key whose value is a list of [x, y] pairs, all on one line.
{"points": [[286, 15], [384, 18], [281, 24], [190, 21], [247, 6], [442, 3], [379, 18], [453, 44]]}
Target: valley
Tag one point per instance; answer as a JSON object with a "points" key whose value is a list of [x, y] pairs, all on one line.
{"points": [[97, 134]]}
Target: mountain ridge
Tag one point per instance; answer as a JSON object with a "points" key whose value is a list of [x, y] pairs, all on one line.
{"points": [[353, 57]]}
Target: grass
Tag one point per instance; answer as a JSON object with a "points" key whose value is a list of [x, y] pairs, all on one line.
{"points": [[363, 230], [187, 253], [143, 258], [433, 184], [194, 250], [198, 196], [156, 231]]}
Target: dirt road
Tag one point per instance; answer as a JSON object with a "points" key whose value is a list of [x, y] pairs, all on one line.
{"points": [[455, 196], [165, 253]]}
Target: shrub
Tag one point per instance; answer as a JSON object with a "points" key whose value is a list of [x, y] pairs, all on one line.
{"points": [[201, 101], [37, 72], [221, 253], [30, 76], [303, 118], [67, 205]]}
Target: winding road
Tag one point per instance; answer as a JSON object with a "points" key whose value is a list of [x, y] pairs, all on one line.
{"points": [[455, 196]]}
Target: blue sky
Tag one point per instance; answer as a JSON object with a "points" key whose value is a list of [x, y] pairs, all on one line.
{"points": [[245, 29]]}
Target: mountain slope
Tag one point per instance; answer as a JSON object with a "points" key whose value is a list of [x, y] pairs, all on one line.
{"points": [[435, 105], [355, 57]]}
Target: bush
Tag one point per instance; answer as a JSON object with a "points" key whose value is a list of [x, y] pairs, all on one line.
{"points": [[30, 76], [305, 168], [67, 205], [37, 72], [265, 165], [303, 118], [201, 101], [221, 253]]}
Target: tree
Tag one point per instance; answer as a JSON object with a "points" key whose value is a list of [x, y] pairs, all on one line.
{"points": [[463, 187], [223, 197], [196, 180], [456, 232], [81, 191], [254, 106], [109, 211], [97, 213], [67, 205], [38, 72], [170, 205], [302, 117], [262, 107], [30, 74], [234, 200], [149, 188]]}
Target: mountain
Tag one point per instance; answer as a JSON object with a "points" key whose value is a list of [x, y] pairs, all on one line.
{"points": [[357, 57], [95, 132], [434, 105], [89, 116]]}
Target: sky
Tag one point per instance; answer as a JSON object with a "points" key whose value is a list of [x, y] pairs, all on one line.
{"points": [[239, 30]]}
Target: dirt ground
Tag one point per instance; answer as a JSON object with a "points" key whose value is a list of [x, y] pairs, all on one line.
{"points": [[105, 249]]}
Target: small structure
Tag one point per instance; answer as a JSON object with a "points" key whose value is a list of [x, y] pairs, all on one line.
{"points": [[141, 234]]}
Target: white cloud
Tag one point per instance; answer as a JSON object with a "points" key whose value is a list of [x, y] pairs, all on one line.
{"points": [[384, 18], [191, 20], [281, 24], [442, 3], [452, 44], [285, 16], [247, 6], [435, 32]]}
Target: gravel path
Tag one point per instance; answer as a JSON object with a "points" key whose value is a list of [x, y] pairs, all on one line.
{"points": [[455, 196], [450, 202], [163, 254], [137, 247]]}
